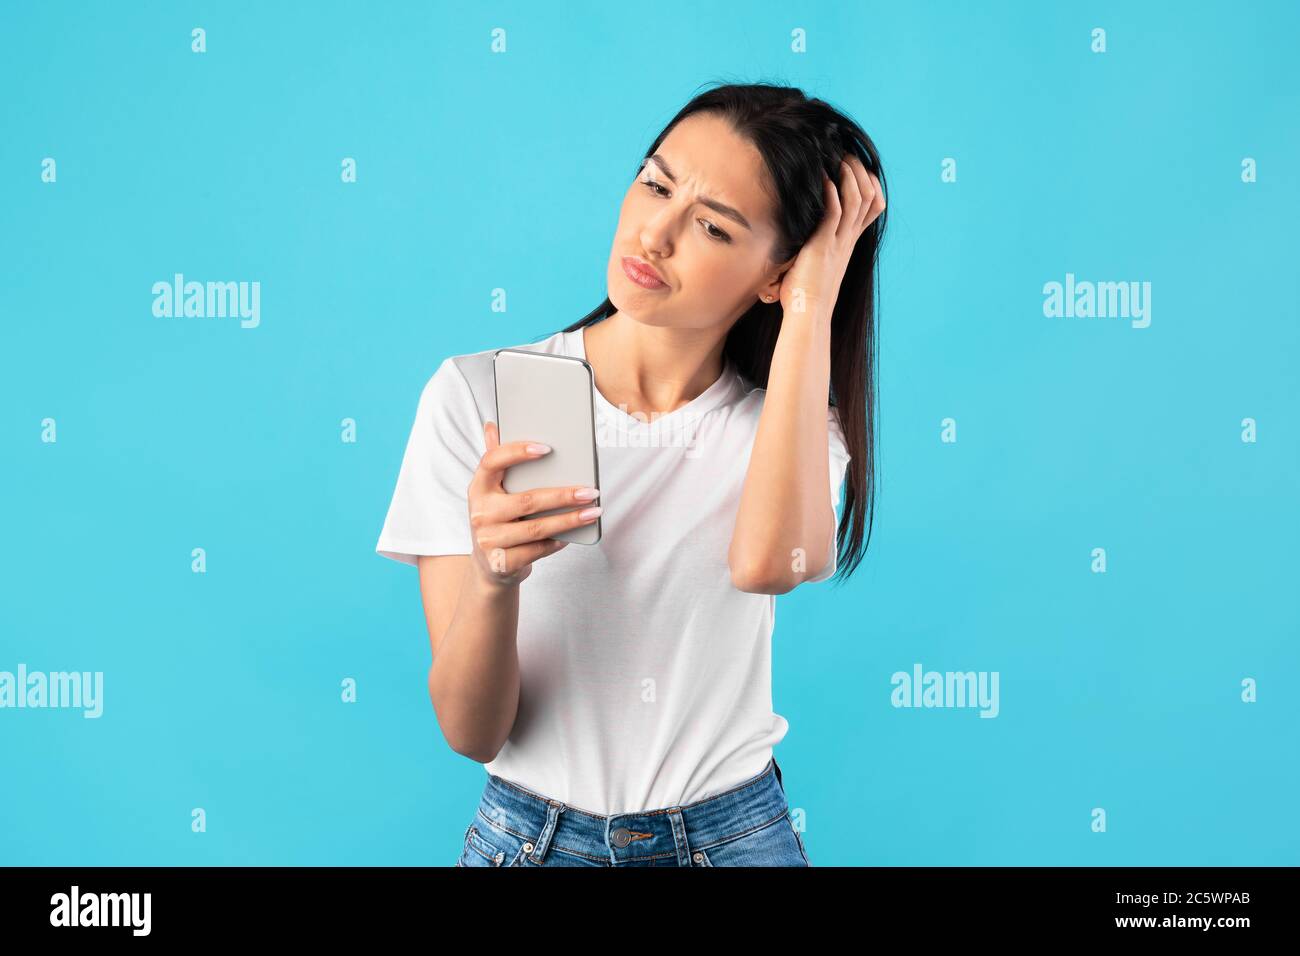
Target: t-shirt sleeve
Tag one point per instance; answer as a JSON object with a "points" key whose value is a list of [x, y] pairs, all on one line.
{"points": [[839, 460], [429, 512]]}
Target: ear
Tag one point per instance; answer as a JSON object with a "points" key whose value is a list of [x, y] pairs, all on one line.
{"points": [[770, 291]]}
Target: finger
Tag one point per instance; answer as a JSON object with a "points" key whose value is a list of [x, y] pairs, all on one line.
{"points": [[511, 534], [482, 481], [831, 218], [852, 193], [492, 466], [509, 561], [877, 201], [508, 507], [513, 452], [873, 202], [528, 553], [868, 187]]}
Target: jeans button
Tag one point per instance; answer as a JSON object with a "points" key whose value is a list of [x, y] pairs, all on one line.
{"points": [[621, 836], [528, 848]]}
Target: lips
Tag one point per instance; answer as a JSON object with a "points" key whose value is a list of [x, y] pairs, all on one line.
{"points": [[642, 273]]}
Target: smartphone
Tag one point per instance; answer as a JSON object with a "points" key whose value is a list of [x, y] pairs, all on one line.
{"points": [[550, 399]]}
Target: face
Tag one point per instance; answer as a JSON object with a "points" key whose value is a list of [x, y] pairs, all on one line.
{"points": [[697, 215]]}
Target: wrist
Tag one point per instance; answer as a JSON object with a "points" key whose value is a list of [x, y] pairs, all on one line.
{"points": [[483, 582], [814, 313], [812, 326]]}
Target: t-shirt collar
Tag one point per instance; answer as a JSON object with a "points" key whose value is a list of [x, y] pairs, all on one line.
{"points": [[727, 387]]}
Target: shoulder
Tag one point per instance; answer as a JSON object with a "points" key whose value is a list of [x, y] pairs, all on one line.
{"points": [[467, 380]]}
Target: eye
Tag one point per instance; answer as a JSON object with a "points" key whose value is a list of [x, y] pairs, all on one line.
{"points": [[655, 187], [717, 235]]}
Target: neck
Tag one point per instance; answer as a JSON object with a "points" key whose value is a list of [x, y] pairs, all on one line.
{"points": [[653, 369]]}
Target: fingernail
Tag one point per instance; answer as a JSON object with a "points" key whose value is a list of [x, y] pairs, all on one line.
{"points": [[587, 513], [585, 494], [536, 448]]}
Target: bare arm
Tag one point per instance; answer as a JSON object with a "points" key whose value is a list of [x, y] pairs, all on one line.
{"points": [[784, 504], [474, 677]]}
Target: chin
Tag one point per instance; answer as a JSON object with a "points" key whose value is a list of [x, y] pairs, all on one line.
{"points": [[630, 305]]}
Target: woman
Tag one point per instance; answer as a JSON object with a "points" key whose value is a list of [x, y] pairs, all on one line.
{"points": [[621, 702]]}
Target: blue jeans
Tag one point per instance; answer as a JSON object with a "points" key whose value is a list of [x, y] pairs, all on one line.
{"points": [[748, 825]]}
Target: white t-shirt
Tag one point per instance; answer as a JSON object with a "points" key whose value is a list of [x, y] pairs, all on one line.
{"points": [[645, 674]]}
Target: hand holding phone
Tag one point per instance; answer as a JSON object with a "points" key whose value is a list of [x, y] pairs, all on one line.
{"points": [[548, 398], [505, 546]]}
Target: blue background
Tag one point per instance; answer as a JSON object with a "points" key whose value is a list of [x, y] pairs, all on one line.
{"points": [[479, 171]]}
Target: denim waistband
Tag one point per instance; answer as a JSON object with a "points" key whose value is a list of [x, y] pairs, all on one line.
{"points": [[627, 837]]}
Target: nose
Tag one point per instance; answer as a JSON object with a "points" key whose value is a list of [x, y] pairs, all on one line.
{"points": [[656, 233], [656, 239]]}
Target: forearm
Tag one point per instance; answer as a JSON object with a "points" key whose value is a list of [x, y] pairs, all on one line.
{"points": [[784, 504], [474, 679]]}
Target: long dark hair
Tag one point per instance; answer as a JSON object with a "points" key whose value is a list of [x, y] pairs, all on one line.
{"points": [[800, 138]]}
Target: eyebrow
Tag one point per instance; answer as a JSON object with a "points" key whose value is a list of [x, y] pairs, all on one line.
{"points": [[728, 211]]}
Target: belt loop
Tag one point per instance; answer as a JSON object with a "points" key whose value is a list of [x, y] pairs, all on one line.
{"points": [[679, 836], [553, 811]]}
